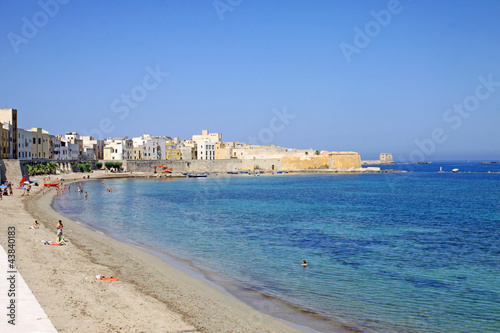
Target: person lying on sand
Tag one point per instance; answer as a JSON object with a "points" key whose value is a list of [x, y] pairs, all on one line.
{"points": [[61, 241], [36, 225]]}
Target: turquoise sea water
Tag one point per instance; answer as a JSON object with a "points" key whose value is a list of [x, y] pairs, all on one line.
{"points": [[413, 252]]}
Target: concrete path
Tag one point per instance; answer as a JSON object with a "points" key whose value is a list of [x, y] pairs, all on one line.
{"points": [[25, 311]]}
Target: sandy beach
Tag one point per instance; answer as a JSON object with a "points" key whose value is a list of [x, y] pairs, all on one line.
{"points": [[151, 296]]}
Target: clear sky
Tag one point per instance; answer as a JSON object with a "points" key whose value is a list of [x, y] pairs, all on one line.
{"points": [[419, 79]]}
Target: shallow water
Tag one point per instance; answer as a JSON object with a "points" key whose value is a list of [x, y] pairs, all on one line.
{"points": [[414, 252]]}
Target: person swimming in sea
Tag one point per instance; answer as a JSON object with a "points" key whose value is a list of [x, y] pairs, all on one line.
{"points": [[304, 263]]}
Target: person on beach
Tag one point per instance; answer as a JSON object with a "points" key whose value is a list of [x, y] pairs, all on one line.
{"points": [[36, 225], [59, 227], [304, 263]]}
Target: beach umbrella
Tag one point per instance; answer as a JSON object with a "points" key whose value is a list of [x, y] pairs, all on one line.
{"points": [[34, 180]]}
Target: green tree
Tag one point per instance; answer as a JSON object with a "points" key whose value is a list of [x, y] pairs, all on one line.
{"points": [[87, 167], [31, 169]]}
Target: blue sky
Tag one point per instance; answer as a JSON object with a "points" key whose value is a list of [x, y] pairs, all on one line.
{"points": [[305, 74]]}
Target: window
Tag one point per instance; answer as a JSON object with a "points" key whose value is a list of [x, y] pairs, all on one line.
{"points": [[34, 141], [39, 141]]}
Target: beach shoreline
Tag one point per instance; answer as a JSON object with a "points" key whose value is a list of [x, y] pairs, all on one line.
{"points": [[160, 296]]}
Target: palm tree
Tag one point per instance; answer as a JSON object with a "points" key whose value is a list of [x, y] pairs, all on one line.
{"points": [[52, 167], [31, 170]]}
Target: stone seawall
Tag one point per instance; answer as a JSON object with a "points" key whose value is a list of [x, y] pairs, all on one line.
{"points": [[12, 170], [304, 162], [344, 160], [15, 170], [230, 165]]}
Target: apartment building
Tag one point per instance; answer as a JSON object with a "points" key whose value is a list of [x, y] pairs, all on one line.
{"points": [[8, 119], [24, 144], [40, 143]]}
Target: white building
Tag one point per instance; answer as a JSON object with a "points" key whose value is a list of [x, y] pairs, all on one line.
{"points": [[73, 150], [206, 150], [118, 149], [24, 139], [153, 147], [92, 148]]}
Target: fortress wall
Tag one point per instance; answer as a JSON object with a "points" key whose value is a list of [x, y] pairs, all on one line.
{"points": [[13, 170], [303, 162], [203, 165], [262, 164], [184, 165], [344, 160]]}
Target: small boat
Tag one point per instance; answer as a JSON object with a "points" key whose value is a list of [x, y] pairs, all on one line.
{"points": [[51, 184], [192, 175], [232, 172], [454, 170]]}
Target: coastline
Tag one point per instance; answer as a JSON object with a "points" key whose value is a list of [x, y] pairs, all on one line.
{"points": [[152, 295]]}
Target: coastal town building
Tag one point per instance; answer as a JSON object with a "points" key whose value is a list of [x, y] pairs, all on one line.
{"points": [[205, 135], [172, 153], [24, 143], [59, 148], [187, 153], [8, 117], [137, 154], [75, 145], [40, 143], [153, 147], [119, 149], [206, 149], [386, 158], [4, 143], [223, 152], [92, 148], [193, 149]]}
